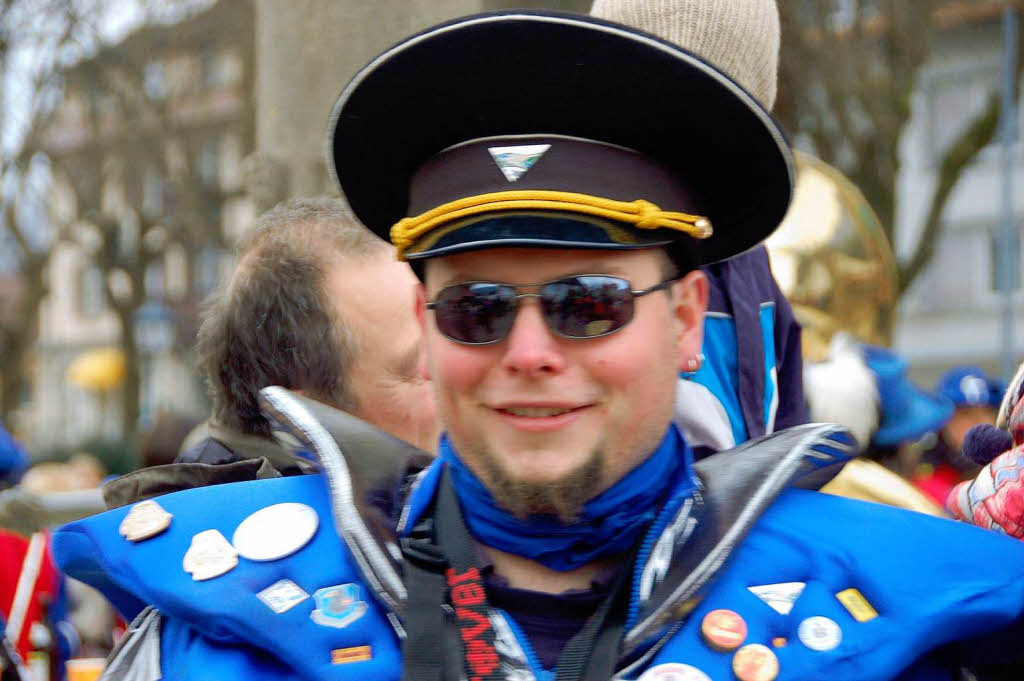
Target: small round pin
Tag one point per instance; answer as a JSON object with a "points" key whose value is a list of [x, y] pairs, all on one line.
{"points": [[755, 662], [723, 630], [674, 671], [820, 633]]}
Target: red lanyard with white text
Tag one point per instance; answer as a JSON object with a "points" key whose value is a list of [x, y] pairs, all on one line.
{"points": [[441, 544]]}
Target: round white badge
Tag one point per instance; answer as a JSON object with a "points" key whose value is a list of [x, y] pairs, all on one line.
{"points": [[820, 633], [275, 531], [674, 671]]}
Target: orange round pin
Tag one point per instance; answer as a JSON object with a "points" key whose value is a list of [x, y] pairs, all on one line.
{"points": [[723, 630], [755, 662]]}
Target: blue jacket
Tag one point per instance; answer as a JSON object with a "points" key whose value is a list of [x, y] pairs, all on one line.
{"points": [[751, 380], [933, 582]]}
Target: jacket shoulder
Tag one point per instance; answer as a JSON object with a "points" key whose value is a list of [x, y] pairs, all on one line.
{"points": [[885, 536], [300, 607], [893, 585]]}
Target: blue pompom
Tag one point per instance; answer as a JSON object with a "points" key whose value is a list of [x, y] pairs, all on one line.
{"points": [[985, 442]]}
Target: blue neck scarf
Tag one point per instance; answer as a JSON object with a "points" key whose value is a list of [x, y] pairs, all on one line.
{"points": [[609, 524]]}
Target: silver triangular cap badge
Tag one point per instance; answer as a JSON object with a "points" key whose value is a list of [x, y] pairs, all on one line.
{"points": [[513, 162], [779, 597]]}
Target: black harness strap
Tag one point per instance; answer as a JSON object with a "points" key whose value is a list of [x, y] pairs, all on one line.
{"points": [[591, 655], [452, 536], [423, 572], [467, 594], [439, 568]]}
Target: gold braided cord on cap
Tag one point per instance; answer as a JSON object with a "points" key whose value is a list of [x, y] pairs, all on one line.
{"points": [[639, 213]]}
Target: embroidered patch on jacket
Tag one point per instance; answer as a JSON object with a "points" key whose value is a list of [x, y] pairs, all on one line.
{"points": [[858, 606], [146, 519], [779, 597], [353, 654], [209, 555], [282, 595], [337, 606]]}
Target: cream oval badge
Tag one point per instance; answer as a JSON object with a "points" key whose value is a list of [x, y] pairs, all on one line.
{"points": [[209, 555], [674, 671], [820, 633], [145, 519], [275, 531]]}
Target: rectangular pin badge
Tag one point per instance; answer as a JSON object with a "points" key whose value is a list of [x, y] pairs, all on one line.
{"points": [[354, 654], [858, 606], [282, 595]]}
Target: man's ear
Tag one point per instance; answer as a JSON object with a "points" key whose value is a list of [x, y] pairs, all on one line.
{"points": [[689, 303], [420, 310]]}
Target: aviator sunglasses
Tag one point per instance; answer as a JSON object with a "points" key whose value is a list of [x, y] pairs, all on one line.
{"points": [[580, 306]]}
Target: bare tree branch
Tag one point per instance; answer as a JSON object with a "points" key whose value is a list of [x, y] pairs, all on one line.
{"points": [[964, 149], [19, 323], [868, 71], [126, 127]]}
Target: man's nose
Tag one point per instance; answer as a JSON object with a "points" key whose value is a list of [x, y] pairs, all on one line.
{"points": [[532, 347]]}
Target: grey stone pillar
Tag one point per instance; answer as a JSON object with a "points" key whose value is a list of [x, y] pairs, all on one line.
{"points": [[306, 50]]}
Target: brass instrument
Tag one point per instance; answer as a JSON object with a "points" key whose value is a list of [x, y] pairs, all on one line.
{"points": [[833, 260]]}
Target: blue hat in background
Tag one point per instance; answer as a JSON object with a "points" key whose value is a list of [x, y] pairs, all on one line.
{"points": [[970, 386], [906, 411], [13, 459]]}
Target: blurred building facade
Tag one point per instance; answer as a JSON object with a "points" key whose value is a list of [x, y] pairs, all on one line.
{"points": [[243, 90], [951, 313], [147, 147], [240, 93], [308, 50]]}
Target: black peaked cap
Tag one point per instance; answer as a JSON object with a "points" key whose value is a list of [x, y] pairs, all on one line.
{"points": [[549, 73]]}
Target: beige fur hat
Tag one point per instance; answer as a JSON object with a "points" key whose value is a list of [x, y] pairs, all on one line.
{"points": [[739, 37]]}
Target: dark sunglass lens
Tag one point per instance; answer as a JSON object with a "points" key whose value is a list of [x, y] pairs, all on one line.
{"points": [[587, 306], [475, 313]]}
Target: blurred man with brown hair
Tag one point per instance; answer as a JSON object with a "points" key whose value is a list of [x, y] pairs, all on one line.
{"points": [[319, 305]]}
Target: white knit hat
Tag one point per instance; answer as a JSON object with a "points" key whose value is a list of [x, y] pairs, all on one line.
{"points": [[739, 37]]}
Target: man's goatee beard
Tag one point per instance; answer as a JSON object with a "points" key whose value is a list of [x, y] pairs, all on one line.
{"points": [[563, 498]]}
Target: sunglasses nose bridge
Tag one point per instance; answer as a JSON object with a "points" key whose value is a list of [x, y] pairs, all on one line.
{"points": [[517, 302], [531, 344]]}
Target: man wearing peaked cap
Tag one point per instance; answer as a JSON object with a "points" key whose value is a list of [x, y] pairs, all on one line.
{"points": [[748, 379], [557, 180]]}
